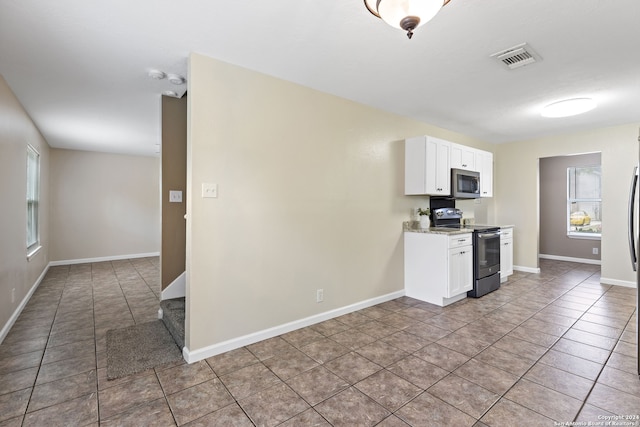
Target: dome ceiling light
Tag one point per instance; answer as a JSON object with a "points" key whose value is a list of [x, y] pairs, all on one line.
{"points": [[175, 79], [569, 107], [157, 74], [405, 14]]}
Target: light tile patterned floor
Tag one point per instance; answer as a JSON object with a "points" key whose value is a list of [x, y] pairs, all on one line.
{"points": [[550, 347]]}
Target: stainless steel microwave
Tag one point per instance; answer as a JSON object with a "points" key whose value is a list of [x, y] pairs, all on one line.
{"points": [[465, 184]]}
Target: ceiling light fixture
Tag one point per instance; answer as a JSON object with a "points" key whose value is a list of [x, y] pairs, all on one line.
{"points": [[405, 14], [176, 79], [157, 74], [569, 107]]}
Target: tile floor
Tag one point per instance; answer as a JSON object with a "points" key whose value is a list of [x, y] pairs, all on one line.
{"points": [[546, 348]]}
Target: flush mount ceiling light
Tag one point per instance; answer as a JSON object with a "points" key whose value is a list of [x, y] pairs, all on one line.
{"points": [[176, 79], [157, 74], [405, 14], [569, 107]]}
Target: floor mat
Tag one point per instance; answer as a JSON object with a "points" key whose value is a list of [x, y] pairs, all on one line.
{"points": [[135, 348]]}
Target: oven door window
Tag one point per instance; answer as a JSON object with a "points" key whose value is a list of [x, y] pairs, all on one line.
{"points": [[488, 252]]}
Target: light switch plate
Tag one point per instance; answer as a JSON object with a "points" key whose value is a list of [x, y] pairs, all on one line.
{"points": [[175, 196], [209, 190]]}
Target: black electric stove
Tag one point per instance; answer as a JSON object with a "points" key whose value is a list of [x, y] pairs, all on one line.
{"points": [[452, 217], [486, 249]]}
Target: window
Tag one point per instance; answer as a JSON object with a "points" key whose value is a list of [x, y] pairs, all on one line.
{"points": [[584, 203], [33, 196]]}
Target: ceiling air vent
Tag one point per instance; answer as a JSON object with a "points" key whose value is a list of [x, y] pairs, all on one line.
{"points": [[517, 56]]}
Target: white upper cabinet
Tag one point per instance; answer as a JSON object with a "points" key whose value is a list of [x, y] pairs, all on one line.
{"points": [[428, 162], [463, 157], [427, 166], [484, 164]]}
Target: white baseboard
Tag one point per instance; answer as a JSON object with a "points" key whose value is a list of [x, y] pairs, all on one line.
{"points": [[571, 259], [103, 259], [535, 270], [176, 289], [232, 344], [12, 320], [625, 283]]}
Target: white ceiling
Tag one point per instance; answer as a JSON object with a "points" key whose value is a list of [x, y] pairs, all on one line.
{"points": [[80, 67]]}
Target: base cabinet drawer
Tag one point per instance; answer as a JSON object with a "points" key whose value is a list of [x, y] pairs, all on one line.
{"points": [[460, 240]]}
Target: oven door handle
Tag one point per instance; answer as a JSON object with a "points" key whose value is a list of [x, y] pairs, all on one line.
{"points": [[488, 235]]}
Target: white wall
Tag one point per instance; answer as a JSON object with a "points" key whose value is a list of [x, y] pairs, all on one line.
{"points": [[103, 205], [16, 131], [516, 191], [310, 196]]}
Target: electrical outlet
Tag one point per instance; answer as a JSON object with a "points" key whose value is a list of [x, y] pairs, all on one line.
{"points": [[595, 251], [209, 190], [13, 295], [320, 295], [175, 196]]}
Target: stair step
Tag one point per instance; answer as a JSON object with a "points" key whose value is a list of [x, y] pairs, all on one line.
{"points": [[173, 318]]}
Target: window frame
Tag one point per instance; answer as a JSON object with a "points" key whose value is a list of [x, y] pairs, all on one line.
{"points": [[576, 234], [32, 201]]}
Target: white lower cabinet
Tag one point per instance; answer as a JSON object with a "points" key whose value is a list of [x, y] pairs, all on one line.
{"points": [[460, 271], [506, 253], [438, 268]]}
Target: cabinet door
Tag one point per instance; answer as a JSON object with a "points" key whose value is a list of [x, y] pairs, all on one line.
{"points": [[438, 173], [415, 156], [484, 164], [506, 258], [426, 166], [463, 157], [460, 271]]}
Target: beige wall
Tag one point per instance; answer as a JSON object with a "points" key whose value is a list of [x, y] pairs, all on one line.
{"points": [[174, 177], [310, 196], [553, 207], [103, 205], [16, 131], [516, 192]]}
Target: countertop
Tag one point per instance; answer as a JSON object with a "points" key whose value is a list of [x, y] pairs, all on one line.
{"points": [[414, 227]]}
